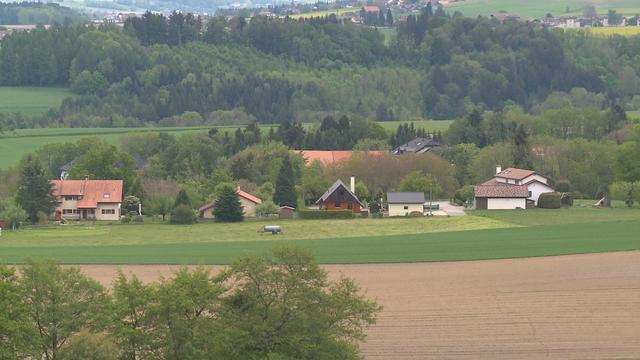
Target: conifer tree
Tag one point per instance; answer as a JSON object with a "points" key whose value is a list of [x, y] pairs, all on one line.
{"points": [[285, 186], [227, 207], [34, 190]]}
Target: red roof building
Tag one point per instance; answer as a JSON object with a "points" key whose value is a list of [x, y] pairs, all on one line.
{"points": [[88, 199]]}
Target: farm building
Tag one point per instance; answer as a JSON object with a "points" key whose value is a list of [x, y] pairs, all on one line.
{"points": [[87, 199], [405, 203], [247, 201], [417, 146], [340, 197], [511, 189]]}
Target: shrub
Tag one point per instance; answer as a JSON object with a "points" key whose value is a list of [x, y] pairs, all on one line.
{"points": [[464, 196], [267, 208], [566, 199], [323, 214], [550, 201], [183, 215], [125, 219]]}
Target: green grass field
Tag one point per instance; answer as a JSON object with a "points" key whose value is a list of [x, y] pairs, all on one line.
{"points": [[337, 12], [616, 30], [538, 9], [481, 235], [31, 100]]}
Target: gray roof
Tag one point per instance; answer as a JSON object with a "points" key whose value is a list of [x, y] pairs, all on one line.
{"points": [[417, 145], [405, 198], [335, 187]]}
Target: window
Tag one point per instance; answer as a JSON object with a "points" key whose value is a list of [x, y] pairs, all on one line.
{"points": [[108, 211], [69, 211], [70, 197], [529, 194], [92, 211], [337, 204], [406, 207], [106, 195]]}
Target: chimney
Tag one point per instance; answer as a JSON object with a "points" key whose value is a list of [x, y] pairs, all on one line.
{"points": [[498, 169], [353, 184]]}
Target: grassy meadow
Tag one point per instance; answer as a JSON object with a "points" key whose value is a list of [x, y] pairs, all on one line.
{"points": [[480, 235], [538, 9], [31, 100], [337, 12], [615, 30]]}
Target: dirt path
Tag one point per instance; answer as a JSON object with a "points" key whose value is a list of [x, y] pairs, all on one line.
{"points": [[566, 307]]}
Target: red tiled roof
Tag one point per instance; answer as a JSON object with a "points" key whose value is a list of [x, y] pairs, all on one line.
{"points": [[249, 197], [501, 191], [91, 191], [329, 157], [515, 174], [240, 193], [371, 8]]}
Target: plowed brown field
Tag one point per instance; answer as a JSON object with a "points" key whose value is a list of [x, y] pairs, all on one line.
{"points": [[565, 307]]}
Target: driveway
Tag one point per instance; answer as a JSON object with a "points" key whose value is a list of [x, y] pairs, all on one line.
{"points": [[450, 209]]}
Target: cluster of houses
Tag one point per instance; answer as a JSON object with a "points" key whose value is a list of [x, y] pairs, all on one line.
{"points": [[509, 189], [571, 22]]}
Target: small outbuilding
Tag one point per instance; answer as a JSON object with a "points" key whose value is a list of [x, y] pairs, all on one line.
{"points": [[286, 212], [405, 203]]}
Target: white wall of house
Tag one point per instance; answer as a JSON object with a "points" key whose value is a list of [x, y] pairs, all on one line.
{"points": [[506, 203], [111, 211], [404, 209], [542, 179], [536, 188]]}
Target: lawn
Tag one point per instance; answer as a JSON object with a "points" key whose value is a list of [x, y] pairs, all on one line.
{"points": [[481, 235], [337, 12], [538, 9], [31, 100], [447, 246], [616, 30], [429, 125]]}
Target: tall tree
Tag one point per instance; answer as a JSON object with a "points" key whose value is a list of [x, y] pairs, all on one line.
{"points": [[227, 207], [18, 337], [522, 154], [34, 190], [285, 185]]}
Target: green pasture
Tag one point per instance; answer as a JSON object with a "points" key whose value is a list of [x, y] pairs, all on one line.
{"points": [[538, 9], [31, 100], [480, 235]]}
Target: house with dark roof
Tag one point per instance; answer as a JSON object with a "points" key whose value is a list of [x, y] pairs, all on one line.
{"points": [[511, 188], [340, 197], [248, 202], [87, 199], [416, 146], [405, 203]]}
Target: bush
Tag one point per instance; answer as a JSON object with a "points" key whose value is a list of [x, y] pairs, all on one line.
{"points": [[183, 214], [323, 214], [267, 208], [125, 219], [550, 201], [566, 199], [464, 196]]}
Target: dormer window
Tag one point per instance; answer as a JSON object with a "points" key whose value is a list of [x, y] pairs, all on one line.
{"points": [[106, 195]]}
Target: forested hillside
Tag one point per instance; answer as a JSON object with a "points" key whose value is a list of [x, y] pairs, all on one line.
{"points": [[28, 13], [439, 66]]}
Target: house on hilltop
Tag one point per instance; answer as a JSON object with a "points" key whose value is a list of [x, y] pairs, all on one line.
{"points": [[511, 189], [340, 197], [248, 202], [88, 199]]}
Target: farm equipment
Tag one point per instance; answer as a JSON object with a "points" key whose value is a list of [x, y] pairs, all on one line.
{"points": [[273, 229]]}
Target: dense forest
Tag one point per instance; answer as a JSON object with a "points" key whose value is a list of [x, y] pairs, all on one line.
{"points": [[28, 13], [439, 67]]}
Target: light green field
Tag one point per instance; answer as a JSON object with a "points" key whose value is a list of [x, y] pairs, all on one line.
{"points": [[538, 9], [481, 235], [428, 125], [31, 100], [614, 30], [337, 12]]}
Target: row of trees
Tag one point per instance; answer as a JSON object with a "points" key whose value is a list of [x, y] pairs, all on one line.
{"points": [[280, 306]]}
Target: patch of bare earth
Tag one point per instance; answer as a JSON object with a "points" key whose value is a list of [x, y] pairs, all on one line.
{"points": [[565, 307]]}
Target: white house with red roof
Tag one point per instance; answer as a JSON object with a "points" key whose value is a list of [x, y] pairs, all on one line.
{"points": [[87, 199], [248, 202], [511, 188]]}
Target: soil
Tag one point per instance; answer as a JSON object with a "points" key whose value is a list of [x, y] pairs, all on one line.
{"points": [[580, 306]]}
